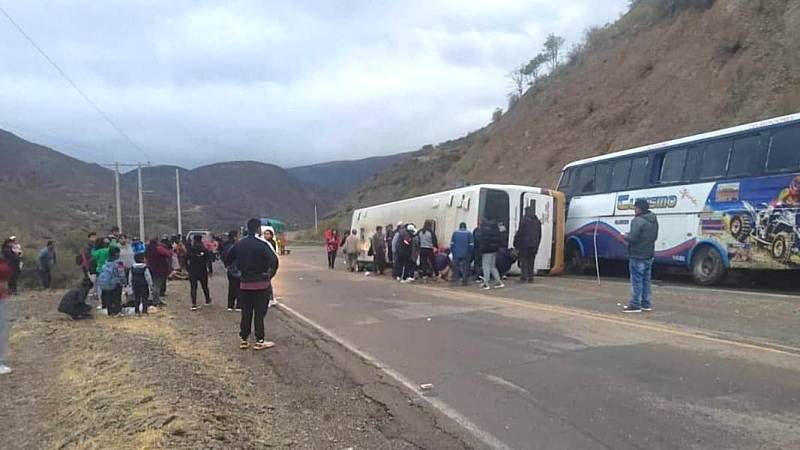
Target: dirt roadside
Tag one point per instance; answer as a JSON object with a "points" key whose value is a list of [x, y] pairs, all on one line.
{"points": [[176, 379]]}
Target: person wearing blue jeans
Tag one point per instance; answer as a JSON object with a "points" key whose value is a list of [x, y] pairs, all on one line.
{"points": [[462, 245], [641, 252]]}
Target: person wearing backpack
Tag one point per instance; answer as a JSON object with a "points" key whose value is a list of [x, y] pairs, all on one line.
{"points": [[111, 281], [141, 281]]}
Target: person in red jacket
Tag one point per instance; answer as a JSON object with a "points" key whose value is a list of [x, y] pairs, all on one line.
{"points": [[331, 246], [5, 275], [159, 258]]}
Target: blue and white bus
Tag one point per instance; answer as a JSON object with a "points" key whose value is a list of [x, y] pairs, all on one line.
{"points": [[727, 199]]}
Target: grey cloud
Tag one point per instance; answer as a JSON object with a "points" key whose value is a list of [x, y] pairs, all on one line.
{"points": [[285, 82]]}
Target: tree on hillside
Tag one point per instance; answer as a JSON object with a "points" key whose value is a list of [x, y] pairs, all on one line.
{"points": [[552, 50], [534, 67], [497, 114], [520, 80]]}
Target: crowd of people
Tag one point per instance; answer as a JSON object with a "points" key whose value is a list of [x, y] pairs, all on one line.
{"points": [[480, 254]]}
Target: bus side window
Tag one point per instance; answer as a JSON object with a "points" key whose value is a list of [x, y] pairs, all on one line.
{"points": [[586, 180], [715, 160], [640, 173], [692, 170], [672, 166], [783, 152], [748, 156], [602, 177], [620, 172], [566, 183]]}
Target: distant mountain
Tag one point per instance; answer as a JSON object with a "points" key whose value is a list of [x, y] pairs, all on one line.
{"points": [[44, 193], [342, 177]]}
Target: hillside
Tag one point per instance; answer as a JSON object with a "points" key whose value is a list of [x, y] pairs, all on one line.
{"points": [[664, 70], [342, 177], [45, 193]]}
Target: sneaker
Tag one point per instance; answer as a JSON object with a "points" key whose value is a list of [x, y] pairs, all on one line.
{"points": [[99, 307], [263, 345], [208, 302], [500, 286], [230, 309], [5, 370], [238, 309], [244, 344], [631, 309], [485, 287], [647, 309], [272, 303], [194, 308]]}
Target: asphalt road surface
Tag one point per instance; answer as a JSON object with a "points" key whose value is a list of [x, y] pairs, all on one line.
{"points": [[556, 365]]}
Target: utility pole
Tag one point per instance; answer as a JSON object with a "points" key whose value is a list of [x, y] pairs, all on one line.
{"points": [[178, 192], [116, 191], [316, 225], [141, 204]]}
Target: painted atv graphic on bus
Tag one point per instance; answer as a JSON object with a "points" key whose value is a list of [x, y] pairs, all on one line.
{"points": [[775, 228]]}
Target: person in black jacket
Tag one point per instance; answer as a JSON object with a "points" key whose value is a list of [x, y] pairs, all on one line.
{"points": [[488, 242], [197, 263], [73, 303], [14, 261], [233, 272], [526, 241], [258, 264]]}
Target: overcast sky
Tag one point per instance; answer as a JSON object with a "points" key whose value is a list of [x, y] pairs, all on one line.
{"points": [[286, 82]]}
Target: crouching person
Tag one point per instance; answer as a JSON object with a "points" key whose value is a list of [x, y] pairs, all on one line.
{"points": [[73, 303]]}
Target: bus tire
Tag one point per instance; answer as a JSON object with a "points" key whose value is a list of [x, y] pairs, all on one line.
{"points": [[782, 247], [707, 266], [575, 262]]}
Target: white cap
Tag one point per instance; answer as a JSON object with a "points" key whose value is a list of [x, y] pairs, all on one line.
{"points": [[12, 238]]}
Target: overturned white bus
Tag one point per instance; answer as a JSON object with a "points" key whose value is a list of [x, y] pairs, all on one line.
{"points": [[504, 204]]}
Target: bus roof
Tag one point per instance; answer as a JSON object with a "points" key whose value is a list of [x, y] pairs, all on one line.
{"points": [[690, 139], [461, 189]]}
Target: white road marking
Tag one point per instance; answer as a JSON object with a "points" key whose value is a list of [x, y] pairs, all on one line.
{"points": [[505, 383], [484, 436]]}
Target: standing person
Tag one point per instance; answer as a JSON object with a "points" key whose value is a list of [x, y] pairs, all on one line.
{"points": [[641, 251], [85, 256], [526, 241], [46, 260], [389, 249], [211, 250], [405, 253], [397, 267], [332, 247], [462, 246], [158, 259], [234, 275], [5, 275], [141, 281], [12, 253], [258, 265], [488, 243], [352, 247], [268, 236], [379, 250], [197, 263], [126, 254], [427, 244], [111, 280]]}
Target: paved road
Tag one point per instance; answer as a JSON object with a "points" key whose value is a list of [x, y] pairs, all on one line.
{"points": [[557, 366]]}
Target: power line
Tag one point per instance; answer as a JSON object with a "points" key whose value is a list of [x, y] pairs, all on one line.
{"points": [[72, 83]]}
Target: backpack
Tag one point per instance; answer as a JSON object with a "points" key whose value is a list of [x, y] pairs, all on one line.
{"points": [[138, 278], [105, 279]]}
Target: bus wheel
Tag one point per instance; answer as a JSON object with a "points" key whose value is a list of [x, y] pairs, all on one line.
{"points": [[575, 262], [740, 227], [782, 247], [707, 267]]}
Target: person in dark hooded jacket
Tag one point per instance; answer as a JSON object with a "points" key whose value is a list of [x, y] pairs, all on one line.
{"points": [[527, 241], [197, 263], [73, 303], [641, 252]]}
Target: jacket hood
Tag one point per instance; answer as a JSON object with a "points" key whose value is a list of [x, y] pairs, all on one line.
{"points": [[649, 216], [268, 228]]}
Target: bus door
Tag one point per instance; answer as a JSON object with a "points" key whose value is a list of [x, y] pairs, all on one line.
{"points": [[544, 208]]}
